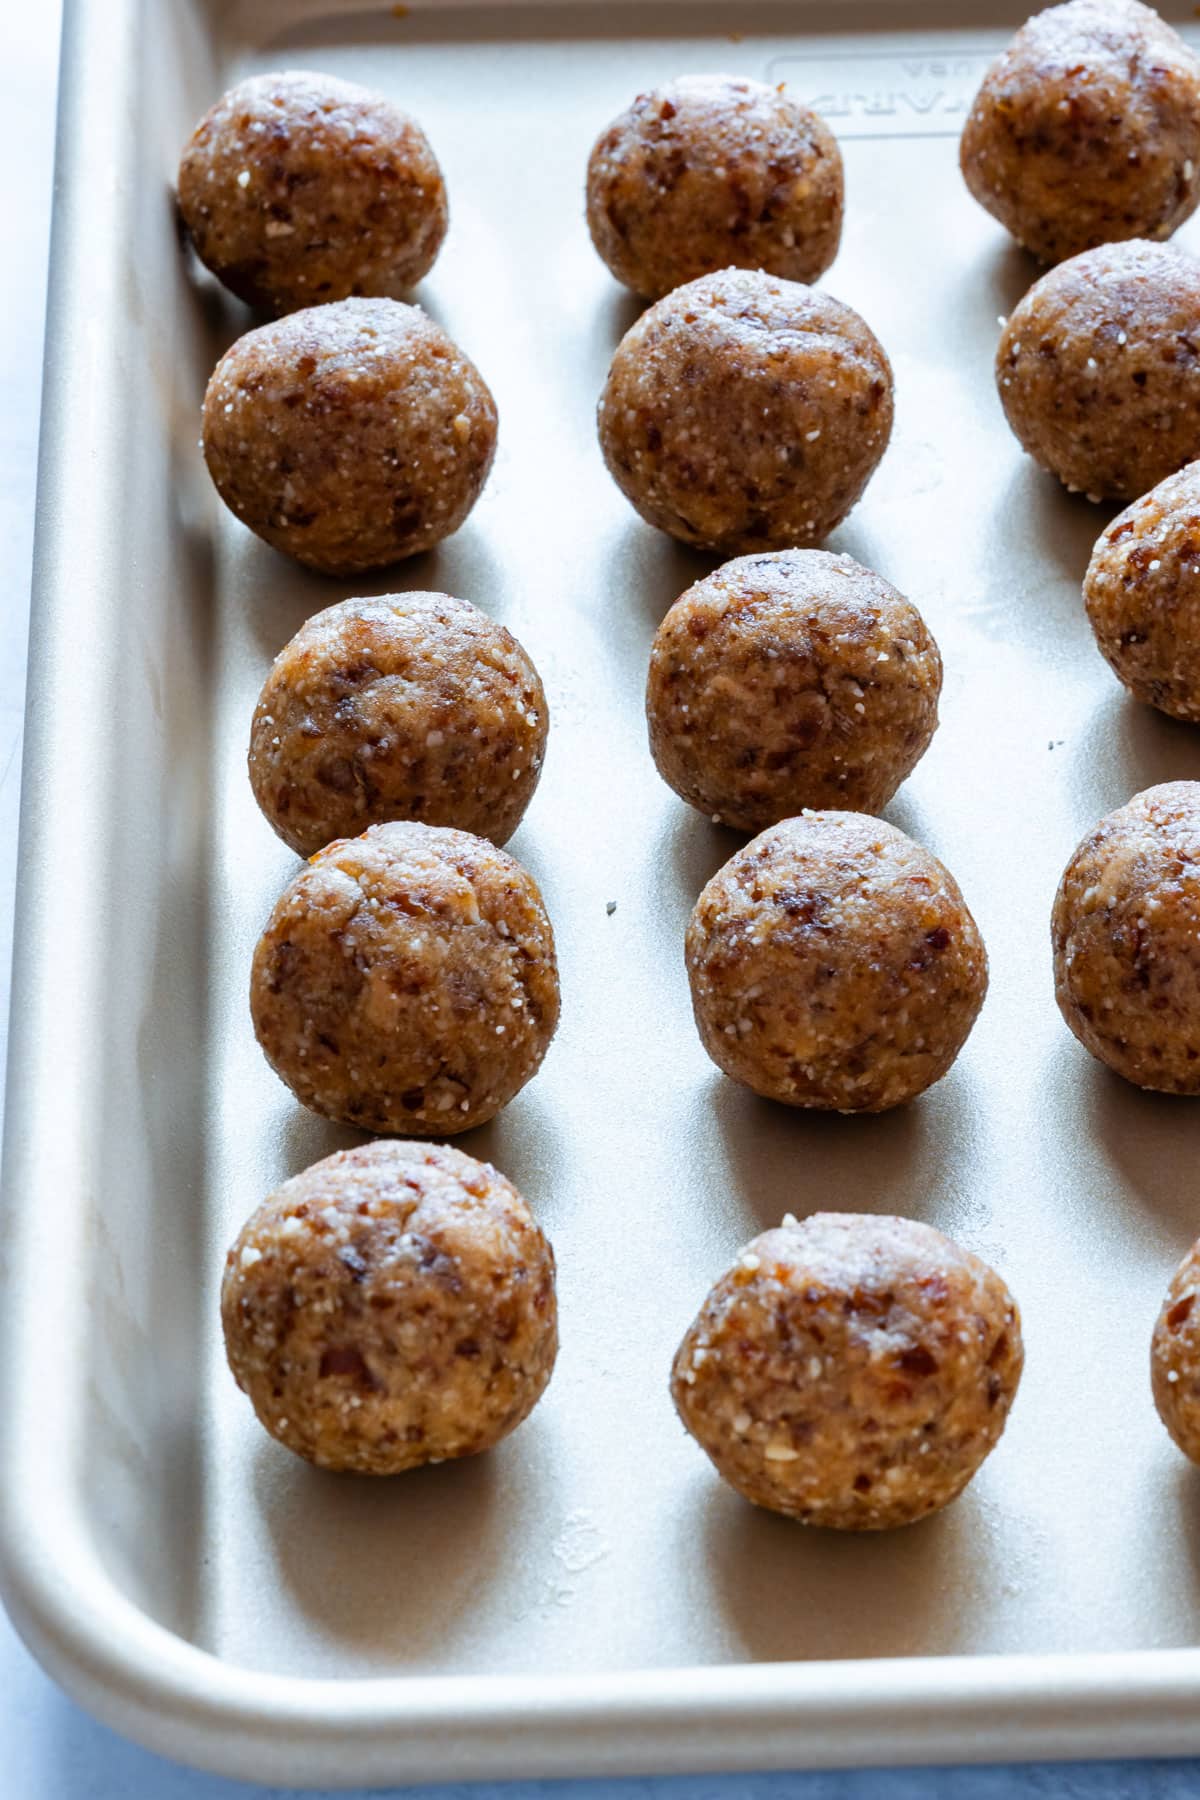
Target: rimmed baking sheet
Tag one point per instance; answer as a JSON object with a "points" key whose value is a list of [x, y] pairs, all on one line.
{"points": [[588, 1598]]}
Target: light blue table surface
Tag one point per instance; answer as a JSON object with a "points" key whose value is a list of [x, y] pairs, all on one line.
{"points": [[49, 1749]]}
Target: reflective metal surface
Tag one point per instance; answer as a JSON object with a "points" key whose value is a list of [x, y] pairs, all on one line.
{"points": [[588, 1598]]}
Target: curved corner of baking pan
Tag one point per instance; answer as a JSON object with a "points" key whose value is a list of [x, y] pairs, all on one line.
{"points": [[182, 1702]]}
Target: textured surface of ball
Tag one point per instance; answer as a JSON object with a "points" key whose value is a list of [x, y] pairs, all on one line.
{"points": [[391, 1306], [1126, 937], [350, 435], [851, 1371], [787, 680], [406, 981], [744, 412], [1087, 129], [1175, 1356], [409, 706], [1142, 592], [297, 188], [1098, 368], [714, 171], [834, 964]]}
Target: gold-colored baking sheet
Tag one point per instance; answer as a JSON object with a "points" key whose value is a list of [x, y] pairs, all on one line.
{"points": [[588, 1597]]}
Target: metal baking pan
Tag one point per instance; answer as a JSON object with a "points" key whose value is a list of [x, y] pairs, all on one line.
{"points": [[588, 1599]]}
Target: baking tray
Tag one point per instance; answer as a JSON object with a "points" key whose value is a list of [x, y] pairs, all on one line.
{"points": [[587, 1599]]}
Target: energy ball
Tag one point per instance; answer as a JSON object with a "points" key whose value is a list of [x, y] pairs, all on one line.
{"points": [[712, 170], [1175, 1357], [1087, 129], [743, 412], [349, 435], [411, 706], [1126, 935], [391, 1306], [1098, 369], [1142, 591], [851, 1371], [834, 965], [406, 981], [787, 680], [298, 188]]}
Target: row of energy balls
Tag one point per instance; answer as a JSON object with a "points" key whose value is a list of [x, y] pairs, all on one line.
{"points": [[1084, 141], [394, 1305]]}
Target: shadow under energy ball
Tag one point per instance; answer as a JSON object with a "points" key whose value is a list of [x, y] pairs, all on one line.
{"points": [[349, 435], [744, 412], [712, 171], [409, 706], [850, 1371], [834, 965], [406, 981], [391, 1306], [1087, 129], [297, 188]]}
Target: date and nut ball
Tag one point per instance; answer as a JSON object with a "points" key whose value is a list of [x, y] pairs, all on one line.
{"points": [[1126, 937], [710, 171], [406, 981], [1098, 368], [851, 1371], [298, 188], [1087, 129], [391, 1306], [1142, 592], [349, 435], [787, 680], [1175, 1357], [409, 706], [834, 964], [744, 412]]}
